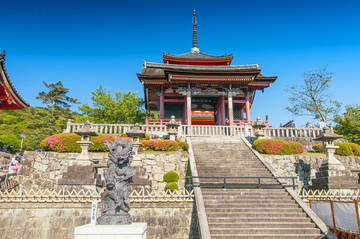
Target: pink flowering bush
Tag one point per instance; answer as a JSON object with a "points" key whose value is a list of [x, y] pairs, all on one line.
{"points": [[99, 142], [65, 142], [159, 145], [277, 146]]}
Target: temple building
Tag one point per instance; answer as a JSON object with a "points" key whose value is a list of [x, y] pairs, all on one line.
{"points": [[9, 98], [199, 88]]}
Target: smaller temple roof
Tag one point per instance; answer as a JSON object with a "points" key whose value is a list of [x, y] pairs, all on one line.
{"points": [[200, 67]]}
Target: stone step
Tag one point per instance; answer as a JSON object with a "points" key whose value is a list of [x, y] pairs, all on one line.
{"points": [[260, 197], [268, 236], [251, 206], [255, 214], [234, 191], [241, 219], [254, 210], [263, 225], [271, 231]]}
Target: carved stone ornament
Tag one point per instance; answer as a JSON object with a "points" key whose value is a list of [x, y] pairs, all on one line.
{"points": [[115, 199]]}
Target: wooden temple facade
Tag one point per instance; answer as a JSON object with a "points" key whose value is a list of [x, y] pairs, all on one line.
{"points": [[199, 88], [9, 98]]}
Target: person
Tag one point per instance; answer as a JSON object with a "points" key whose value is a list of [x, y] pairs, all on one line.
{"points": [[308, 125], [322, 124], [14, 164]]}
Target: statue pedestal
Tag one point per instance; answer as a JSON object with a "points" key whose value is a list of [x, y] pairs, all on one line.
{"points": [[133, 231]]}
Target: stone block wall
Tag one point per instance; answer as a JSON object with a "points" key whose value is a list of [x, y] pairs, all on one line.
{"points": [[304, 167], [58, 220], [157, 165], [52, 170]]}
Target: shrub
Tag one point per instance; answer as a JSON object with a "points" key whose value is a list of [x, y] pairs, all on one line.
{"points": [[344, 149], [279, 147], [183, 145], [99, 142], [355, 148], [11, 141], [65, 142], [160, 145], [171, 186], [171, 177], [317, 148]]}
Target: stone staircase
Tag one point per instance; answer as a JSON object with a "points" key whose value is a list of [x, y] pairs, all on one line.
{"points": [[248, 212]]}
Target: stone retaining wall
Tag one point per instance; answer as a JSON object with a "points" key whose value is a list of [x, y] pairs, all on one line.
{"points": [[57, 221], [52, 170], [304, 167]]}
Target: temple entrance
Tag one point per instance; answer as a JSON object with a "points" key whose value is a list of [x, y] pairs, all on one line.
{"points": [[202, 110]]}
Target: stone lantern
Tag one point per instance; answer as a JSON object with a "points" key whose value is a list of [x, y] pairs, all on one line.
{"points": [[328, 137], [172, 125], [136, 133], [85, 143], [332, 174], [259, 128]]}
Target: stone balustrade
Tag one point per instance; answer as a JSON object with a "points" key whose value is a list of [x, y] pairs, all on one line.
{"points": [[160, 130]]}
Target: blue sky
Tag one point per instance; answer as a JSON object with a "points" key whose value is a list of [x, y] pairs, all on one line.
{"points": [[88, 43]]}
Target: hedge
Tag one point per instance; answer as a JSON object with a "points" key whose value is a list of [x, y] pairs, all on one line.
{"points": [[278, 147], [345, 149], [171, 186], [160, 145], [171, 177]]}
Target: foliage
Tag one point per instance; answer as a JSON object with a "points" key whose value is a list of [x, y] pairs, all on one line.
{"points": [[277, 146], [170, 177], [183, 145], [313, 98], [10, 140], [56, 97], [123, 108], [64, 142], [355, 148], [317, 148], [344, 149], [171, 186], [99, 142], [349, 124], [160, 145], [36, 123]]}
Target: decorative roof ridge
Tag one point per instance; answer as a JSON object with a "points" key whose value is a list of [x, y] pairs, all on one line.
{"points": [[196, 53], [201, 67], [2, 64]]}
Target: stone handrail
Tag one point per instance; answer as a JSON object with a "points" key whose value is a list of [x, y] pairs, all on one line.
{"points": [[199, 130]]}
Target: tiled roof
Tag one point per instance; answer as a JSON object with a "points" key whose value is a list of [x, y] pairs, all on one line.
{"points": [[200, 67]]}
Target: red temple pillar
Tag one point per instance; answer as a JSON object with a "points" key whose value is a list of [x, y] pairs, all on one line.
{"points": [[230, 108], [188, 108], [242, 113], [222, 110], [247, 108], [162, 105]]}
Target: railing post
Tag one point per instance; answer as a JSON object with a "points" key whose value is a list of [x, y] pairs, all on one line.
{"points": [[246, 130], [68, 126]]}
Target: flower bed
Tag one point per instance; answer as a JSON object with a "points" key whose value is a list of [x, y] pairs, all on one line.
{"points": [[66, 142]]}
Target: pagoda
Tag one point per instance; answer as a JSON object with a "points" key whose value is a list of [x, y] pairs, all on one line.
{"points": [[9, 98], [199, 88]]}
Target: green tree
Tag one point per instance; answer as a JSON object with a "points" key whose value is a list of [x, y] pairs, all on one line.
{"points": [[313, 97], [57, 97], [126, 108], [349, 124]]}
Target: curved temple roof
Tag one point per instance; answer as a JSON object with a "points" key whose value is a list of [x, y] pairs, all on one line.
{"points": [[9, 97]]}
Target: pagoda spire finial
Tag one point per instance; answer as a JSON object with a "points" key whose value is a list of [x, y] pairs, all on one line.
{"points": [[195, 40]]}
